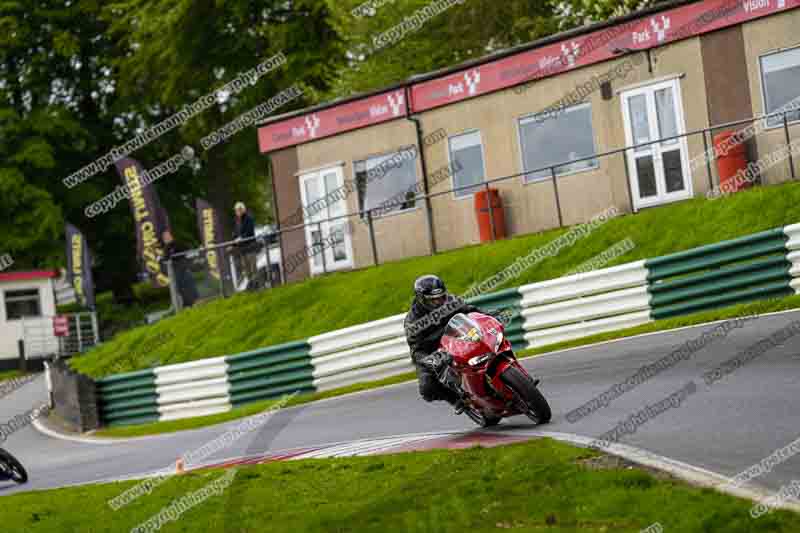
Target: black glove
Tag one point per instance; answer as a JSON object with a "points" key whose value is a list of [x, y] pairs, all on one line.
{"points": [[437, 360]]}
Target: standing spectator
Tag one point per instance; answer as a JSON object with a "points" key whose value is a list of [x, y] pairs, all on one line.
{"points": [[180, 265], [245, 229]]}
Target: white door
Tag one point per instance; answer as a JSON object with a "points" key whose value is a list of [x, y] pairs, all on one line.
{"points": [[659, 172], [329, 243]]}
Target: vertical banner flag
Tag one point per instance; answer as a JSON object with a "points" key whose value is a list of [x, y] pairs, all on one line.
{"points": [[149, 218], [209, 224], [79, 266]]}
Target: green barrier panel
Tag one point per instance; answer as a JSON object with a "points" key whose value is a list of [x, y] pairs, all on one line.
{"points": [[720, 282], [750, 246], [771, 290], [243, 398], [264, 356], [129, 398], [270, 372], [132, 416], [128, 395]]}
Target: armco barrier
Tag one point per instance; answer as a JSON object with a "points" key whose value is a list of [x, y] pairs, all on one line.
{"points": [[129, 398], [763, 265]]}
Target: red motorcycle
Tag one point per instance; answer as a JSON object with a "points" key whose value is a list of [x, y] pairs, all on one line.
{"points": [[486, 374]]}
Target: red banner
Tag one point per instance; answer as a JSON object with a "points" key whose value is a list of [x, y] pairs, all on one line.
{"points": [[640, 34], [334, 120]]}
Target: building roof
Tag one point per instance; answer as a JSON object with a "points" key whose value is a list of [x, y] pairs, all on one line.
{"points": [[27, 275], [659, 25], [416, 78]]}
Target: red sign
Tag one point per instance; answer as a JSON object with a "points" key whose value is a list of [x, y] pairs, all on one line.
{"points": [[334, 120], [60, 326], [640, 34]]}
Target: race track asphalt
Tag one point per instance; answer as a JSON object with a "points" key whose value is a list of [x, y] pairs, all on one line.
{"points": [[725, 428]]}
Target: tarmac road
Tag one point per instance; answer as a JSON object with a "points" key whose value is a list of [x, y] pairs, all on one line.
{"points": [[725, 428]]}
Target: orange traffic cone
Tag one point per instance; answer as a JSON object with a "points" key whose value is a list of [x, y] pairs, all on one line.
{"points": [[180, 467]]}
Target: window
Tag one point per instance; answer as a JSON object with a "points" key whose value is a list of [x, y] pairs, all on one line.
{"points": [[566, 136], [387, 183], [21, 304], [466, 158], [780, 78]]}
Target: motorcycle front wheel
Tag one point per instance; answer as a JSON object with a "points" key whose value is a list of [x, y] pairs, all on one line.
{"points": [[11, 468], [535, 405], [482, 420]]}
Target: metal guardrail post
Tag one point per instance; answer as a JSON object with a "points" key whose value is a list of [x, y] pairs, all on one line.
{"points": [[558, 199], [322, 248], [371, 227], [788, 144], [95, 328], [78, 330], [491, 211], [23, 363], [708, 161], [173, 291], [628, 180]]}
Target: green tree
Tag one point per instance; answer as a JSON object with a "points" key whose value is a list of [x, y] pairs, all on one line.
{"points": [[465, 31]]}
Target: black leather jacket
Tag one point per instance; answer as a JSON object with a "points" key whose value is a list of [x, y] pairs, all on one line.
{"points": [[424, 329]]}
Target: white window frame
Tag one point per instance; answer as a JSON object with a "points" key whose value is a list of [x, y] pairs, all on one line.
{"points": [[450, 162], [385, 154], [525, 172], [764, 87], [5, 303], [327, 266], [660, 199]]}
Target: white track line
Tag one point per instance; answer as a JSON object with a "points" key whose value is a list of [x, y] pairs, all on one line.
{"points": [[693, 474]]}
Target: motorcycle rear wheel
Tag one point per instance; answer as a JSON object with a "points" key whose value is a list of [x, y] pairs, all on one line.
{"points": [[12, 468], [537, 408]]}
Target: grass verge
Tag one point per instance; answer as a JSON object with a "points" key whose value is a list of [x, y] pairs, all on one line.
{"points": [[749, 309], [339, 300], [10, 374], [542, 485]]}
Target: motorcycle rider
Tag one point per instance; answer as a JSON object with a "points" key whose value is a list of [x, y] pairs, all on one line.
{"points": [[432, 309]]}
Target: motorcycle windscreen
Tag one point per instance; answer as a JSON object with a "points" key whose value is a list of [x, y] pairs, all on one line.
{"points": [[463, 328]]}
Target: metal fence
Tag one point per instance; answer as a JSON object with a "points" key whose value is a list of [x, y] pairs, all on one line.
{"points": [[40, 341], [327, 235], [225, 269]]}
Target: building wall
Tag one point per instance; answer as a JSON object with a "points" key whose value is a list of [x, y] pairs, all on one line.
{"points": [[398, 235], [11, 330], [532, 207], [719, 81], [760, 37], [287, 200]]}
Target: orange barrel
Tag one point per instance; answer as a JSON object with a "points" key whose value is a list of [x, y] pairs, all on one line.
{"points": [[482, 212], [730, 161]]}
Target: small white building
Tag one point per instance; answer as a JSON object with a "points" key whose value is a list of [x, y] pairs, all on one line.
{"points": [[27, 303]]}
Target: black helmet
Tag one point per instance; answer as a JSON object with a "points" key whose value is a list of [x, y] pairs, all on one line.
{"points": [[430, 291]]}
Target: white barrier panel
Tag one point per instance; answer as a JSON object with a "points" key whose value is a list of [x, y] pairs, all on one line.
{"points": [[793, 232], [587, 308], [360, 335], [360, 375], [187, 372], [584, 284], [192, 409], [363, 356], [195, 390], [584, 329]]}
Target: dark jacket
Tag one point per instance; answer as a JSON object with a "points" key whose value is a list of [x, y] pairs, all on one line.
{"points": [[424, 329], [244, 227], [174, 248]]}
